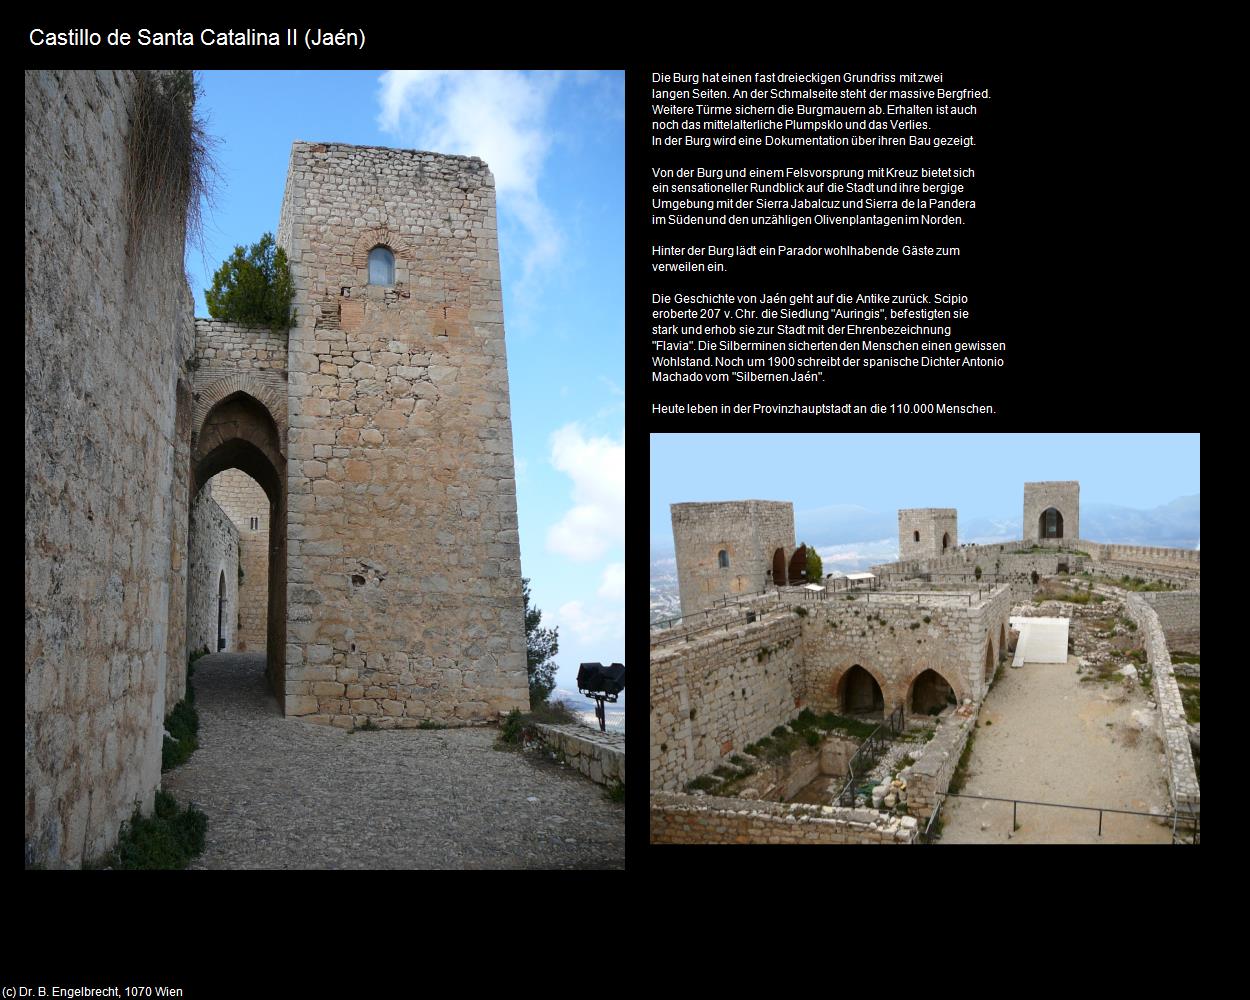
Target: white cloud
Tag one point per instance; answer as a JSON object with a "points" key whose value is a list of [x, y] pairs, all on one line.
{"points": [[596, 521], [592, 624], [613, 585], [499, 115]]}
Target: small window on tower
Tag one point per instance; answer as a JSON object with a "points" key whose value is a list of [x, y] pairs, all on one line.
{"points": [[381, 266], [723, 558], [256, 524]]}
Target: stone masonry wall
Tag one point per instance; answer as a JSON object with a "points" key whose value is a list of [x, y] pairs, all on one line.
{"points": [[748, 531], [243, 500], [1182, 778], [717, 694], [932, 523], [1064, 496], [214, 553], [930, 776], [599, 756], [689, 819], [887, 635], [107, 331], [403, 568], [1180, 615]]}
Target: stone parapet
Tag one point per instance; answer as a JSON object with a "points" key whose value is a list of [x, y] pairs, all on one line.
{"points": [[599, 756], [1182, 778], [691, 819]]}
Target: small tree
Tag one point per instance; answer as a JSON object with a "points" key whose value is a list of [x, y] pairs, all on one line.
{"points": [[815, 568], [253, 287], [541, 646], [977, 572]]}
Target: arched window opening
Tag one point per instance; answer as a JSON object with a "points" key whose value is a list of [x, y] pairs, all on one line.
{"points": [[915, 536], [221, 611], [946, 540], [1050, 524], [722, 559], [381, 266]]}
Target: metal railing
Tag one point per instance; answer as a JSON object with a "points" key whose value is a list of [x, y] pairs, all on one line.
{"points": [[865, 758], [1177, 819]]}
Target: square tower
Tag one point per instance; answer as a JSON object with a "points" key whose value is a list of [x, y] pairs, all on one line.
{"points": [[924, 532], [404, 568], [735, 547], [1052, 510]]}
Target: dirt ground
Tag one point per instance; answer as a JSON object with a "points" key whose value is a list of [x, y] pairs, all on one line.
{"points": [[1046, 735]]}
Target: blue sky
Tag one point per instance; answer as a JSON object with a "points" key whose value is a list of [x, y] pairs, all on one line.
{"points": [[981, 475], [555, 143]]}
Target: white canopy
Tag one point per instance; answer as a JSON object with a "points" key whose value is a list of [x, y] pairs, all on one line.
{"points": [[812, 586], [861, 576]]}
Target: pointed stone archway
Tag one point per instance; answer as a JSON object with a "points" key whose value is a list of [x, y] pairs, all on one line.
{"points": [[239, 432], [779, 568]]}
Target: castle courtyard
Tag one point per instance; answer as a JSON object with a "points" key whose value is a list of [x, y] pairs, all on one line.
{"points": [[285, 793]]}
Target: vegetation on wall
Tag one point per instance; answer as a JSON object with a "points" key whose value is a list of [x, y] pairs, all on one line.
{"points": [[170, 165], [253, 287]]}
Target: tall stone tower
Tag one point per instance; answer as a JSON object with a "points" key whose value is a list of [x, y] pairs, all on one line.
{"points": [[735, 547], [1052, 510], [404, 569], [924, 532]]}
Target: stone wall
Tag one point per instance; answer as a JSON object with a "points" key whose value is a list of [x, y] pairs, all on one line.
{"points": [[404, 573], [749, 532], [1064, 496], [1180, 615], [688, 819], [1182, 778], [599, 756], [930, 776], [714, 695], [243, 500], [214, 557], [934, 525], [887, 635], [107, 331]]}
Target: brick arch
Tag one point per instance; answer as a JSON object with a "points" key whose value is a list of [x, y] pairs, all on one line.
{"points": [[384, 236], [241, 382]]}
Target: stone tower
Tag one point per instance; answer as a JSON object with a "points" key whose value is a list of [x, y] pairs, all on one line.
{"points": [[1052, 510], [924, 532], [404, 572], [735, 547]]}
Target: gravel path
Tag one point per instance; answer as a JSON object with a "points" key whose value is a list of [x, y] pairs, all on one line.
{"points": [[1047, 736], [282, 793]]}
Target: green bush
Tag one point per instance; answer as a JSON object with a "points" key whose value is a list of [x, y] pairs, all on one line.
{"points": [[513, 727], [169, 838]]}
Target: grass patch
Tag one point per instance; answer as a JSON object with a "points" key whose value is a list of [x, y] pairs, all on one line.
{"points": [[903, 764], [1185, 658], [703, 783], [961, 769], [182, 724], [615, 792], [430, 724], [170, 838], [1191, 697], [518, 726]]}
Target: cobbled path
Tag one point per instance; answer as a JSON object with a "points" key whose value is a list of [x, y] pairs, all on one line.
{"points": [[282, 793]]}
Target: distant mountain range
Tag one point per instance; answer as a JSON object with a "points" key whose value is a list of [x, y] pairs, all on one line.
{"points": [[851, 538]]}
